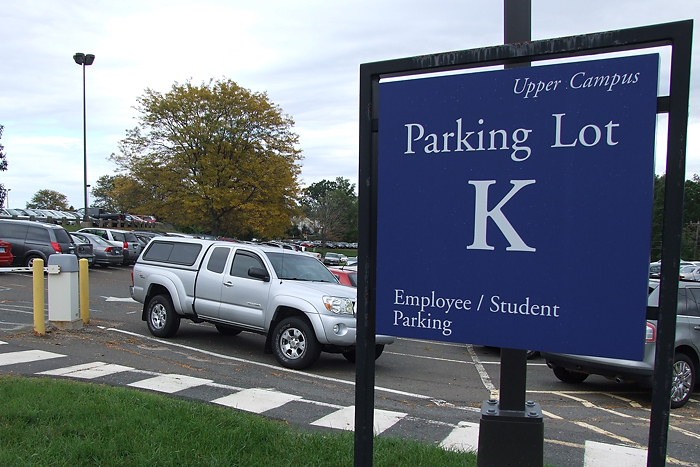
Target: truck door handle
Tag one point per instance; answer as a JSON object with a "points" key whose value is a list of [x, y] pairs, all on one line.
{"points": [[228, 284]]}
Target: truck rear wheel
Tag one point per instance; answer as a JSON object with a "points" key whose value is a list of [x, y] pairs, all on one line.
{"points": [[294, 344], [161, 317]]}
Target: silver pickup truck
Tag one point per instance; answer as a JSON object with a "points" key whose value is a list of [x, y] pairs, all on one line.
{"points": [[287, 296]]}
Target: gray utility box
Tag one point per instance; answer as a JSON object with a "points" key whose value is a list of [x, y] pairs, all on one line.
{"points": [[64, 303]]}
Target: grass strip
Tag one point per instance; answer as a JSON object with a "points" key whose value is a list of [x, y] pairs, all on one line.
{"points": [[56, 422]]}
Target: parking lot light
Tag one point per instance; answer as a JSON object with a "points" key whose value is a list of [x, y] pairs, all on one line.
{"points": [[84, 60]]}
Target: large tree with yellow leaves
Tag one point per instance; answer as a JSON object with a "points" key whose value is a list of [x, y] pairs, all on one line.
{"points": [[217, 157]]}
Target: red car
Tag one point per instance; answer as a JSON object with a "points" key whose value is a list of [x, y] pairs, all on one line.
{"points": [[346, 276], [5, 254]]}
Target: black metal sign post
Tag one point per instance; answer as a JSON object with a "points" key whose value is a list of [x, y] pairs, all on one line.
{"points": [[510, 417], [678, 36]]}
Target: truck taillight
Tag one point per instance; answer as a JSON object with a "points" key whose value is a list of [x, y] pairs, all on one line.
{"points": [[56, 247], [651, 333]]}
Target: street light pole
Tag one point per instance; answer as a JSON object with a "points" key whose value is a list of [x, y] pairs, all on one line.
{"points": [[84, 60], [7, 198]]}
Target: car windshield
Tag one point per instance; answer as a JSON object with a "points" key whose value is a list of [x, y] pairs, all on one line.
{"points": [[299, 267], [687, 269]]}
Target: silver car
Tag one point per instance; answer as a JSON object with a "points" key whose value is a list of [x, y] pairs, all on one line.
{"points": [[575, 368], [131, 248]]}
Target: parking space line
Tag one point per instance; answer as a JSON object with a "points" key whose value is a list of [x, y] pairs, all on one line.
{"points": [[632, 403], [485, 378], [610, 434], [263, 365]]}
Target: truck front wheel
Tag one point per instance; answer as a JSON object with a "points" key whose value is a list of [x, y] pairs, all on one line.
{"points": [[161, 317], [294, 344]]}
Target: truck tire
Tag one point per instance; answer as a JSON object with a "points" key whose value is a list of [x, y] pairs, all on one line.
{"points": [[227, 330], [351, 352], [294, 344], [161, 317]]}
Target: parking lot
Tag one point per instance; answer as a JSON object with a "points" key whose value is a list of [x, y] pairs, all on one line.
{"points": [[430, 391]]}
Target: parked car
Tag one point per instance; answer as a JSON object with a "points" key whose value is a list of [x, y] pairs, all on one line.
{"points": [[5, 254], [31, 240], [334, 259], [345, 275], [17, 213], [131, 248], [106, 254], [83, 249], [575, 368], [690, 273]]}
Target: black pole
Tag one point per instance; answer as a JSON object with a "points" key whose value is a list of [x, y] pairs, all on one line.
{"points": [[671, 247], [85, 198], [366, 286], [517, 25], [512, 417]]}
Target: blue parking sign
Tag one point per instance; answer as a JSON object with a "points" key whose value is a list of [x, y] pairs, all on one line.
{"points": [[514, 206]]}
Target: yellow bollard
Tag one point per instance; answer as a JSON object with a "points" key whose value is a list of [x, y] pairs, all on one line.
{"points": [[84, 291], [38, 285]]}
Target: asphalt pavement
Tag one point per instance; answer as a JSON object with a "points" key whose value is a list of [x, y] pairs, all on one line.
{"points": [[429, 391]]}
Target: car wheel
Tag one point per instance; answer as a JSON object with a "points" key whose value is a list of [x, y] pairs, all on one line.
{"points": [[29, 262], [567, 376], [350, 353], [161, 317], [228, 330], [294, 344], [683, 381]]}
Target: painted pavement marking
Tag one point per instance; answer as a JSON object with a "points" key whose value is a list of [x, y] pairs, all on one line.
{"points": [[26, 356], [463, 438], [169, 383], [344, 419], [256, 400], [88, 370]]}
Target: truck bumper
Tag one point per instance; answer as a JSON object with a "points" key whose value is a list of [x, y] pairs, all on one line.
{"points": [[341, 331]]}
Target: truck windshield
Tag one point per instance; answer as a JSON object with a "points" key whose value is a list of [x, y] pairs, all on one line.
{"points": [[299, 267]]}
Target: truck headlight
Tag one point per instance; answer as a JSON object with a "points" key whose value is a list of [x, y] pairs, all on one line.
{"points": [[339, 305]]}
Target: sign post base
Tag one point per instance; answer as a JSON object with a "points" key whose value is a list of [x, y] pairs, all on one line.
{"points": [[510, 437]]}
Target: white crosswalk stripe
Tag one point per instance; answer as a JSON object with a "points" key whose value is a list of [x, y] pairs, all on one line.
{"points": [[602, 454], [256, 400], [26, 356], [463, 438], [169, 383], [88, 370], [344, 419]]}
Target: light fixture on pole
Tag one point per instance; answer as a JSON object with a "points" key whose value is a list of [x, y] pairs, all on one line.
{"points": [[84, 60]]}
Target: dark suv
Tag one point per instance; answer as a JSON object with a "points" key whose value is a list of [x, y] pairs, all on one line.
{"points": [[31, 240]]}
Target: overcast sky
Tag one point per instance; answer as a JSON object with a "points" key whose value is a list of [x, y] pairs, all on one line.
{"points": [[305, 55]]}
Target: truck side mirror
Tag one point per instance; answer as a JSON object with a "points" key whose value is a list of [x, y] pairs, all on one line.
{"points": [[259, 273]]}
